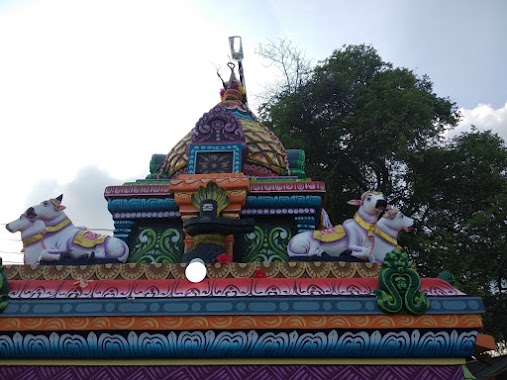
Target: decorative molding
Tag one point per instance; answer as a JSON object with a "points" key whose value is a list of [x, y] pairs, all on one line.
{"points": [[283, 201], [136, 190], [239, 322], [123, 229], [223, 306], [219, 287], [288, 187], [240, 344], [141, 204], [186, 182], [305, 223], [79, 371], [279, 211], [294, 269], [146, 215]]}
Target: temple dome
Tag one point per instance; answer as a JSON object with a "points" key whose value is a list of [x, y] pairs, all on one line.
{"points": [[231, 121]]}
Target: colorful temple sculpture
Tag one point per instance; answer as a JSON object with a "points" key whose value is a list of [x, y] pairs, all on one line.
{"points": [[282, 297]]}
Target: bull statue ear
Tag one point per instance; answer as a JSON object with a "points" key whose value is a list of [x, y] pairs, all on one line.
{"points": [[354, 202]]}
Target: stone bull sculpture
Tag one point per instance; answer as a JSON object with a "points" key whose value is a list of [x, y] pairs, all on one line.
{"points": [[63, 240], [355, 235]]}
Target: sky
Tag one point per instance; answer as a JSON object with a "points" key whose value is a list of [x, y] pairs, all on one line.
{"points": [[90, 89]]}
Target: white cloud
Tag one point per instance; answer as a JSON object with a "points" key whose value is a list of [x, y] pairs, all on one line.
{"points": [[483, 117]]}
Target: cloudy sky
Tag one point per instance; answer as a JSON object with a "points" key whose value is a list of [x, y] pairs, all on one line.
{"points": [[90, 89]]}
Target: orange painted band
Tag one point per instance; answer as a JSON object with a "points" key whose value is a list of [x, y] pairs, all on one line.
{"points": [[473, 321]]}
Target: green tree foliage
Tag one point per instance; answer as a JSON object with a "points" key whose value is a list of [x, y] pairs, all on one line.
{"points": [[366, 124], [358, 118], [459, 194]]}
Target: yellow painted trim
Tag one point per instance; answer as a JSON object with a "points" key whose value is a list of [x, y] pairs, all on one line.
{"points": [[59, 226], [33, 239], [246, 361], [368, 227], [387, 237]]}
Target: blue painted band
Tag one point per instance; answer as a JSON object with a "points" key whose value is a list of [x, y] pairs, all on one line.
{"points": [[240, 344], [225, 306]]}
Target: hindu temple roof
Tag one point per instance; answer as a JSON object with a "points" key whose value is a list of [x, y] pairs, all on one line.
{"points": [[231, 122]]}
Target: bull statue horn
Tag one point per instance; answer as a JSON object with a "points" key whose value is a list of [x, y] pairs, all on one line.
{"points": [[57, 201]]}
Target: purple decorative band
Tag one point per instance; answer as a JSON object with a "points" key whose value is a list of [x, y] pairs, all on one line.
{"points": [[234, 372]]}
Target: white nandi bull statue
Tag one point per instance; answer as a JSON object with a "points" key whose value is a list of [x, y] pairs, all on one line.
{"points": [[64, 240], [386, 233], [355, 235], [32, 236]]}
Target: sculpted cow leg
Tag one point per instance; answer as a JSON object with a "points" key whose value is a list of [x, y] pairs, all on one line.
{"points": [[331, 241], [49, 256], [303, 244]]}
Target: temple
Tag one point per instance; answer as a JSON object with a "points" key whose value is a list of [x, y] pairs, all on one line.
{"points": [[230, 196]]}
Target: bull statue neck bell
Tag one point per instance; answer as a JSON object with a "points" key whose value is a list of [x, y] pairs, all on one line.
{"points": [[209, 229]]}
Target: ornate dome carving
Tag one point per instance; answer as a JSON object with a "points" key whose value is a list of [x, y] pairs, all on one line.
{"points": [[231, 121]]}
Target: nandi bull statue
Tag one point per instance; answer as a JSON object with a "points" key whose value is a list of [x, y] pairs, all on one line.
{"points": [[63, 241], [355, 235]]}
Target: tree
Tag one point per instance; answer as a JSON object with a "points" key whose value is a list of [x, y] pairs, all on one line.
{"points": [[290, 63], [459, 192], [358, 118]]}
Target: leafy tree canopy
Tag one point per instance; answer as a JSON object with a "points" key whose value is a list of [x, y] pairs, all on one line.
{"points": [[358, 118]]}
